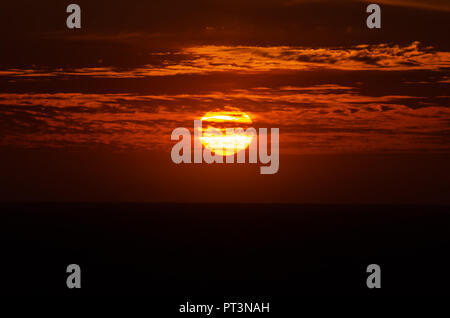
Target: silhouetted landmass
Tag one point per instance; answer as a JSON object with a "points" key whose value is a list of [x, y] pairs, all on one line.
{"points": [[223, 249]]}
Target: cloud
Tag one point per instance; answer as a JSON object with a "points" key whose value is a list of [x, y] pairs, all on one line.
{"points": [[312, 119], [437, 5], [252, 59]]}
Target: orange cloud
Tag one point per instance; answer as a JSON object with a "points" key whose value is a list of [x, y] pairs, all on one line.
{"points": [[252, 59]]}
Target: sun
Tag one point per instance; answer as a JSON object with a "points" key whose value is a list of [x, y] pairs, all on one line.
{"points": [[214, 131]]}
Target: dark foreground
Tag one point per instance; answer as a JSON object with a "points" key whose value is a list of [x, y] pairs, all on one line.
{"points": [[224, 249]]}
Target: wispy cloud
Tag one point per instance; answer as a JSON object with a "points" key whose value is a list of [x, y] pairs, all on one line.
{"points": [[312, 119], [438, 5], [252, 59]]}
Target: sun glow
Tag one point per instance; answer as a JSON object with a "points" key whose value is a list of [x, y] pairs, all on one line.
{"points": [[215, 136]]}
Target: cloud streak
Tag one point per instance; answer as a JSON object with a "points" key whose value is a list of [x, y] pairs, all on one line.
{"points": [[249, 59], [312, 119]]}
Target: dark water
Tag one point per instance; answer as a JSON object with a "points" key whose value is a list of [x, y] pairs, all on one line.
{"points": [[224, 249]]}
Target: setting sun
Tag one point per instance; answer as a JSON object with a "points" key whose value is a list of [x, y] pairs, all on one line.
{"points": [[214, 131]]}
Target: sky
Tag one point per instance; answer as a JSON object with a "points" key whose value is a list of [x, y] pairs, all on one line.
{"points": [[86, 115]]}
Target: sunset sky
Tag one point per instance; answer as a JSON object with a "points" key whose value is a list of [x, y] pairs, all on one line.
{"points": [[363, 114]]}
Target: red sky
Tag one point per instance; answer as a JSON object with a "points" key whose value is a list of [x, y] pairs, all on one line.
{"points": [[363, 114]]}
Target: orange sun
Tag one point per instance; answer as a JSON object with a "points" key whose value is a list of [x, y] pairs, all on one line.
{"points": [[217, 139]]}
